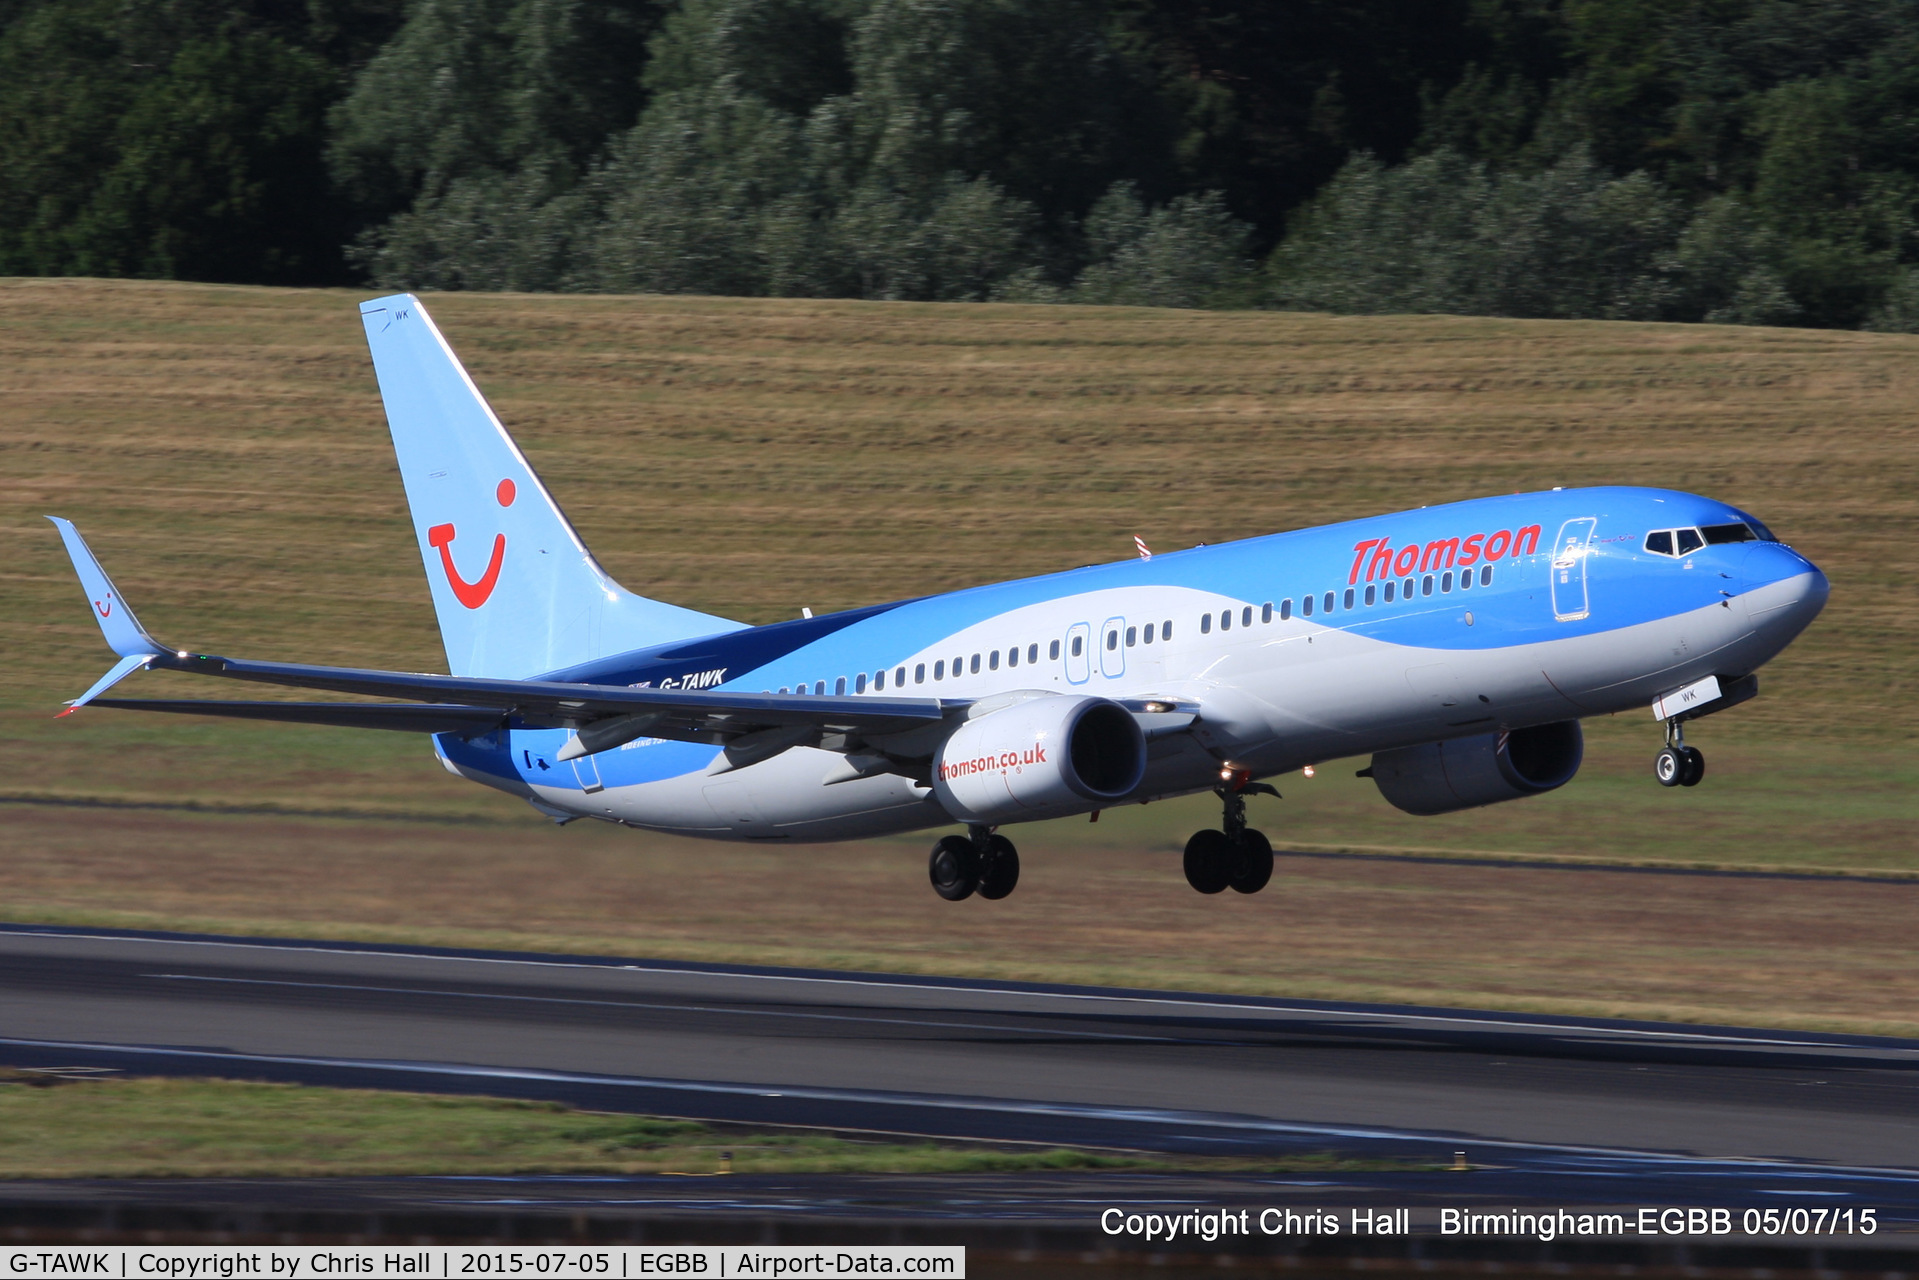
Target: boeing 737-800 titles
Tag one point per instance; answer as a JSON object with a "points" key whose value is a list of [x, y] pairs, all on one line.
{"points": [[1457, 645]]}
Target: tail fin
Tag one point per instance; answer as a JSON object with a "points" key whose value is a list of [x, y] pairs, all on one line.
{"points": [[516, 591]]}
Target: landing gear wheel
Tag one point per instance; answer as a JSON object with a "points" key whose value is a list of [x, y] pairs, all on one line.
{"points": [[1669, 766], [1252, 862], [1210, 859], [1001, 871], [954, 868], [1695, 767]]}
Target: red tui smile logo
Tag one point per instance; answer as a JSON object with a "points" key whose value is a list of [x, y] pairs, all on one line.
{"points": [[105, 606], [472, 594]]}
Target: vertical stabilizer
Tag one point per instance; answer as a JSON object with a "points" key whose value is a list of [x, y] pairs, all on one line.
{"points": [[516, 591]]}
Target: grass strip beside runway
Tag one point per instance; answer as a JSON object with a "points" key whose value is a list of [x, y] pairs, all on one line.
{"points": [[55, 1126]]}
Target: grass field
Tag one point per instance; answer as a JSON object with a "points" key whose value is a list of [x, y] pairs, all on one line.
{"points": [[225, 451], [141, 1128]]}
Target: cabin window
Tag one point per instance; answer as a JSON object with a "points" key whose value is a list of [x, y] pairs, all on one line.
{"points": [[1348, 602], [975, 667], [1426, 585], [1052, 652], [1012, 656], [1112, 639], [1305, 606], [1166, 629], [1406, 589], [1328, 602], [1266, 612], [1206, 624], [1717, 534], [1389, 593], [919, 673], [1446, 581], [1465, 579], [782, 688], [879, 681], [1689, 541], [1372, 595], [1079, 643], [1660, 542], [1032, 653], [1246, 616], [899, 677], [1485, 575], [839, 687], [859, 683], [992, 660], [939, 669], [1225, 619], [1150, 629], [1132, 636], [819, 688]]}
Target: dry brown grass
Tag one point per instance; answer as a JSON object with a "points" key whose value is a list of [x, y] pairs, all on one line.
{"points": [[224, 449], [1699, 948]]}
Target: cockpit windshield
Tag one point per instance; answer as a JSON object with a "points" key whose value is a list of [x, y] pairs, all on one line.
{"points": [[1716, 534], [1681, 542]]}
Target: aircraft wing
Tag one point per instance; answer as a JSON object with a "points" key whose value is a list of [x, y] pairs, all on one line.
{"points": [[605, 715], [406, 717], [751, 726]]}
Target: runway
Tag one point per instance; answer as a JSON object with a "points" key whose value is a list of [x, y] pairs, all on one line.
{"points": [[1168, 1071]]}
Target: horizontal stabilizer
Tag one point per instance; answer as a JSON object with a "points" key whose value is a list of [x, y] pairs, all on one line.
{"points": [[405, 717]]}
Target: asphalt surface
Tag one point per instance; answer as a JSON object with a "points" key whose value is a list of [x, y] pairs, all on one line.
{"points": [[1568, 1097]]}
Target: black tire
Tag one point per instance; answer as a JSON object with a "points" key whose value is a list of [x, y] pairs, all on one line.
{"points": [[1253, 863], [1209, 861], [1001, 872], [1695, 767], [1669, 766], [953, 868]]}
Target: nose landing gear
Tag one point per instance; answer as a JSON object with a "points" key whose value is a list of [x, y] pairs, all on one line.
{"points": [[979, 861], [1678, 765], [1237, 857]]}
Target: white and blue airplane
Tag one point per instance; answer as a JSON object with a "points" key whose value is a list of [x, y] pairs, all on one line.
{"points": [[1458, 645]]}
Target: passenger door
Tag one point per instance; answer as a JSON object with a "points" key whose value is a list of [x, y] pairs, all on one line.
{"points": [[1112, 648], [1570, 548], [1079, 661]]}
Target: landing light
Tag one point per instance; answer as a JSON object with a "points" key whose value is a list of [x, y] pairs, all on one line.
{"points": [[1308, 771]]}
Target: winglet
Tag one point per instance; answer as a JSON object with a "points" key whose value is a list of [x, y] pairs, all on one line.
{"points": [[121, 670], [123, 632]]}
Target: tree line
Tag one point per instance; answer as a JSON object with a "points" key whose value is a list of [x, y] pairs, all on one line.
{"points": [[1731, 161]]}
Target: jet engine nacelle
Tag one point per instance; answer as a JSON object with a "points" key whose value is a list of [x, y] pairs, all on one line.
{"points": [[1442, 777], [1043, 758]]}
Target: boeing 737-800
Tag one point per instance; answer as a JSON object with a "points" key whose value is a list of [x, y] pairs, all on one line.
{"points": [[1457, 645]]}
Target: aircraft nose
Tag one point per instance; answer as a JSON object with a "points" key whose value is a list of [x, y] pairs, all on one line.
{"points": [[1784, 590]]}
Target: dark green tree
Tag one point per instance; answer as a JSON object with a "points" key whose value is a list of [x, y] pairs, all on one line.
{"points": [[154, 141]]}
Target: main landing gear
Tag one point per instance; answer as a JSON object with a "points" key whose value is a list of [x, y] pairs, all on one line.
{"points": [[1678, 765], [1237, 857], [978, 862]]}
